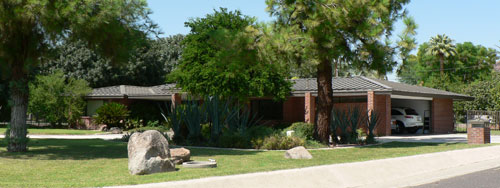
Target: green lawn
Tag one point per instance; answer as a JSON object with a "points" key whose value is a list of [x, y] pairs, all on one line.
{"points": [[495, 132], [95, 163], [58, 131]]}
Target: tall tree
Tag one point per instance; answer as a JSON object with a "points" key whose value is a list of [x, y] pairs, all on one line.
{"points": [[222, 57], [334, 29], [29, 28], [443, 47], [406, 44]]}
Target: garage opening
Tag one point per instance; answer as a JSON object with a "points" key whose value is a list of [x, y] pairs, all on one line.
{"points": [[412, 115]]}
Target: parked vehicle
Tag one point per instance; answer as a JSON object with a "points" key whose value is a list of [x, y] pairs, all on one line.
{"points": [[406, 119]]}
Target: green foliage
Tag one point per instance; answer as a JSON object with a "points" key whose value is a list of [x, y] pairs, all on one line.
{"points": [[230, 139], [486, 96], [112, 114], [347, 121], [147, 65], [282, 142], [302, 130], [174, 118], [221, 58], [470, 63], [57, 99], [193, 119], [144, 111]]}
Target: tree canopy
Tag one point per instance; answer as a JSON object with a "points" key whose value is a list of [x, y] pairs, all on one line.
{"points": [[222, 57], [147, 65], [28, 29]]}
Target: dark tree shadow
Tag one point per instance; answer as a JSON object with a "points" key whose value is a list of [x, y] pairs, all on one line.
{"points": [[65, 149]]}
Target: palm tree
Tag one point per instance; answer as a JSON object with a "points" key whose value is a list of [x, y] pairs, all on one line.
{"points": [[443, 47]]}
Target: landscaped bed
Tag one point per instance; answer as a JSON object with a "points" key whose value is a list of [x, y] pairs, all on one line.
{"points": [[94, 163], [58, 131]]}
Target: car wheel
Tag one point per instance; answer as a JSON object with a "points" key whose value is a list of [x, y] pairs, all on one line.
{"points": [[400, 127]]}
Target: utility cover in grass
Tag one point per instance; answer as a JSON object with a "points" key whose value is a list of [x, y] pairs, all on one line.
{"points": [[148, 153], [299, 152]]}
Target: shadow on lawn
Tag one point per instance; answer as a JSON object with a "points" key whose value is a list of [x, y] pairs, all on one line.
{"points": [[62, 149], [85, 149]]}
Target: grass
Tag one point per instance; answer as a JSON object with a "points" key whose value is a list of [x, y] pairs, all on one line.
{"points": [[57, 131], [96, 163], [495, 132]]}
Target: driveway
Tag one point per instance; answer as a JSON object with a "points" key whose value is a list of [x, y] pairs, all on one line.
{"points": [[437, 138]]}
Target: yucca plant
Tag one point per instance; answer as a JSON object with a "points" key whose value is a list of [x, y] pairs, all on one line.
{"points": [[340, 120], [355, 117], [217, 117], [240, 119]]}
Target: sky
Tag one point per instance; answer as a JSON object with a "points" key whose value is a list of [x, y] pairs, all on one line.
{"points": [[462, 20]]}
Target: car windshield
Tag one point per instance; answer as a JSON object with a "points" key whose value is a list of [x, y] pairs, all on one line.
{"points": [[410, 111]]}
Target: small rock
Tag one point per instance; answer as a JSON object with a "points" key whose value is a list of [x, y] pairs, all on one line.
{"points": [[115, 130], [180, 155], [103, 128], [299, 152], [148, 153]]}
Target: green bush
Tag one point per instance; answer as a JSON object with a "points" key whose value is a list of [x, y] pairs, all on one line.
{"points": [[145, 111], [279, 141], [112, 114], [302, 130], [162, 130], [259, 132], [233, 139]]}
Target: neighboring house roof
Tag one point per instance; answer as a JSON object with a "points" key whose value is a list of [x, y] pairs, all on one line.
{"points": [[134, 92], [351, 86]]}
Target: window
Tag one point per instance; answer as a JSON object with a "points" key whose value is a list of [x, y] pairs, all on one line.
{"points": [[350, 99], [410, 111], [396, 112], [268, 109]]}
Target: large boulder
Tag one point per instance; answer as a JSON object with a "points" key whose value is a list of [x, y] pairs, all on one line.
{"points": [[148, 153], [299, 152], [180, 155]]}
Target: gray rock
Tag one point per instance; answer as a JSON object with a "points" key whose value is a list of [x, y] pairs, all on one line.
{"points": [[115, 130], [180, 155], [299, 152], [148, 153], [103, 128]]}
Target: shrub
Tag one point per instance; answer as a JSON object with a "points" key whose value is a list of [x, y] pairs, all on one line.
{"points": [[259, 132], [279, 141], [144, 111], [233, 139], [302, 130], [112, 114]]}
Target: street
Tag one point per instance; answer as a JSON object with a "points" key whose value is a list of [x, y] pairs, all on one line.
{"points": [[483, 179]]}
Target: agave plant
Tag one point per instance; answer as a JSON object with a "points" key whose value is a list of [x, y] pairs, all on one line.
{"points": [[173, 117], [340, 119], [240, 119], [355, 117], [192, 117], [216, 115], [372, 122]]}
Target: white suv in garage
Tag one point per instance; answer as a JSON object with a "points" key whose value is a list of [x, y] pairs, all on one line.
{"points": [[406, 119]]}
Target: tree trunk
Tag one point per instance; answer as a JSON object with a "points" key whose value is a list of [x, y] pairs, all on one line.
{"points": [[441, 64], [19, 94], [325, 101]]}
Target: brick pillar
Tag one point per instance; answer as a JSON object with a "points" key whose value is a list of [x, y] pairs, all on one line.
{"points": [[310, 108], [176, 99], [478, 135], [442, 116], [381, 104]]}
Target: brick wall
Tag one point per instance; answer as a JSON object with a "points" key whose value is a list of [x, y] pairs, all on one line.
{"points": [[476, 135], [293, 110], [381, 104], [442, 116]]}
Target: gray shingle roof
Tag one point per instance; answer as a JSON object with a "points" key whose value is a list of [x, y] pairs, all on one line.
{"points": [[133, 91], [361, 84], [345, 86]]}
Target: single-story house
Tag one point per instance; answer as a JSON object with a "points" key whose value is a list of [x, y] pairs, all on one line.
{"points": [[435, 106]]}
